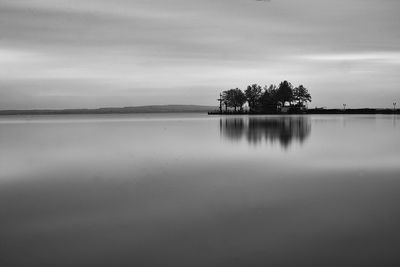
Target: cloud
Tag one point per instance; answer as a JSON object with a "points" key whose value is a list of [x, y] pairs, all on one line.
{"points": [[366, 57], [15, 56], [106, 46]]}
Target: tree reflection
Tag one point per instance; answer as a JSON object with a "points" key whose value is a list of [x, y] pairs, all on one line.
{"points": [[284, 130]]}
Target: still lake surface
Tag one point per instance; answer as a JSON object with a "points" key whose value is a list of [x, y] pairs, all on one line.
{"points": [[198, 190]]}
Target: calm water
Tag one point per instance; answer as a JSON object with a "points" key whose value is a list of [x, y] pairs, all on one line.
{"points": [[198, 190]]}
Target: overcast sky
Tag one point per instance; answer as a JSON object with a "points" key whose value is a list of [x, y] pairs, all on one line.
{"points": [[92, 53]]}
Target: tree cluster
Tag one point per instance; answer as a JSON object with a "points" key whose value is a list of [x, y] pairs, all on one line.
{"points": [[267, 98]]}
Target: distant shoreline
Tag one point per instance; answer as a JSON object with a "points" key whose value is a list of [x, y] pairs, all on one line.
{"points": [[114, 110], [359, 111]]}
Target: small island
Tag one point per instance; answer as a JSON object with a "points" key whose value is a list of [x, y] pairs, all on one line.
{"points": [[282, 99]]}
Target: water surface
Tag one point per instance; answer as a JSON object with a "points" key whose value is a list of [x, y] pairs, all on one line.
{"points": [[198, 190]]}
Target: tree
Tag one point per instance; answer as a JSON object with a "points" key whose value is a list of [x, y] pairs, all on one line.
{"points": [[285, 93], [301, 95], [238, 98], [253, 94], [234, 98], [272, 90], [268, 100], [225, 99]]}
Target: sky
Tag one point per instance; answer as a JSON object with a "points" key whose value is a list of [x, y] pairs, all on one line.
{"points": [[101, 53]]}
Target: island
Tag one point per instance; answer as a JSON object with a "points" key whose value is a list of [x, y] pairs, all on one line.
{"points": [[282, 99]]}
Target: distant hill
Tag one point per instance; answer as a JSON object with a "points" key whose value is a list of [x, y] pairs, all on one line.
{"points": [[113, 110]]}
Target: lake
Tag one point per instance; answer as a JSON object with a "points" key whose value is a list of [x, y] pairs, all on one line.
{"points": [[198, 190]]}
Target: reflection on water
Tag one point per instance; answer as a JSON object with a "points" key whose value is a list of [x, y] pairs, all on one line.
{"points": [[272, 129], [169, 190]]}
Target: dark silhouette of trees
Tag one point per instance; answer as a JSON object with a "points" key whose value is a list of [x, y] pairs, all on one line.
{"points": [[234, 98], [267, 99], [301, 95], [253, 94], [225, 100], [272, 90], [237, 98], [240, 98], [285, 93]]}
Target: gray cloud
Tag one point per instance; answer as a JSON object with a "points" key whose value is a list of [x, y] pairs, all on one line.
{"points": [[176, 47]]}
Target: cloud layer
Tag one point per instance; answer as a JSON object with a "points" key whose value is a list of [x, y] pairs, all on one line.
{"points": [[90, 53]]}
